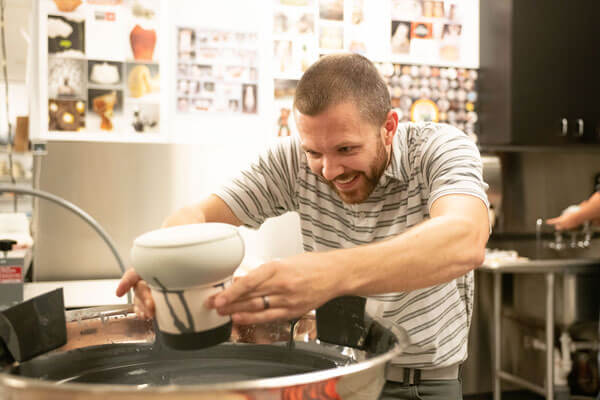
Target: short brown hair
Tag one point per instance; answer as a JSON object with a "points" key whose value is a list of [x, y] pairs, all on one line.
{"points": [[338, 78]]}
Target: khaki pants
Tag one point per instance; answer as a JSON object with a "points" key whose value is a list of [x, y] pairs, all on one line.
{"points": [[424, 390]]}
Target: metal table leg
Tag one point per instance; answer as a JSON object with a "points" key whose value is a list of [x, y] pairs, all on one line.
{"points": [[497, 334], [549, 336]]}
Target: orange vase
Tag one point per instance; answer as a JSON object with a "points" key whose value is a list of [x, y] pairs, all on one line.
{"points": [[142, 43]]}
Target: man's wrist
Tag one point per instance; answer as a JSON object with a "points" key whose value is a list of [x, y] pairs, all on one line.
{"points": [[344, 268]]}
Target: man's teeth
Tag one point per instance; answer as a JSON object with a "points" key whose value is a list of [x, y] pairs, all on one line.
{"points": [[349, 179]]}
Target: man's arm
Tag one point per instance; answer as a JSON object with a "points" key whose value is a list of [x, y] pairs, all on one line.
{"points": [[448, 245], [438, 250], [211, 209]]}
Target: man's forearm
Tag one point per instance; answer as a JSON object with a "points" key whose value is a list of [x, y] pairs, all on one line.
{"points": [[589, 209], [211, 209], [435, 251]]}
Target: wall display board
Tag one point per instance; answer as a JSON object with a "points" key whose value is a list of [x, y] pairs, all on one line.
{"points": [[217, 71], [295, 48], [99, 69], [438, 37]]}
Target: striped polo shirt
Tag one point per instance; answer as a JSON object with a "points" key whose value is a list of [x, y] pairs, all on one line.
{"points": [[428, 161]]}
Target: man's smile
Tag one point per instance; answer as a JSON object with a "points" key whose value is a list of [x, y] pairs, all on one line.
{"points": [[346, 182]]}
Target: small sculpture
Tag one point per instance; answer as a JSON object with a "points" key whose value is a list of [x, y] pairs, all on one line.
{"points": [[282, 122]]}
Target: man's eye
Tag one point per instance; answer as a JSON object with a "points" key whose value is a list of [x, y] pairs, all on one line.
{"points": [[345, 149], [312, 153]]}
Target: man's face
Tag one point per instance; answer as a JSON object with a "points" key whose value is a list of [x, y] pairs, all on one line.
{"points": [[350, 154]]}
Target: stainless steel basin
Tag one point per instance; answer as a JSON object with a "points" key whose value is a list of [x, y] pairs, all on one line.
{"points": [[112, 354]]}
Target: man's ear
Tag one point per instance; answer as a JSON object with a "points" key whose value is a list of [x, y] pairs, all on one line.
{"points": [[390, 126]]}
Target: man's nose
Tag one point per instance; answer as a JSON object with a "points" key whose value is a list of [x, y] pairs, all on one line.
{"points": [[331, 169]]}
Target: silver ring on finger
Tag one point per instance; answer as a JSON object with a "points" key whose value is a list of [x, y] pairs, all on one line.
{"points": [[266, 303]]}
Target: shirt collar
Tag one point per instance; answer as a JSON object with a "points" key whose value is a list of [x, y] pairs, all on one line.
{"points": [[392, 171]]}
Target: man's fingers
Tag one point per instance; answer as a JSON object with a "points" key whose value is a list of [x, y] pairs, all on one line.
{"points": [[128, 280], [252, 305], [243, 286], [143, 299]]}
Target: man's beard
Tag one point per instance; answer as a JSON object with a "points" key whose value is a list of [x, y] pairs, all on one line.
{"points": [[370, 179]]}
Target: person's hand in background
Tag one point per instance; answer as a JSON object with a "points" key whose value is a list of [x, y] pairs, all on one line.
{"points": [[572, 217]]}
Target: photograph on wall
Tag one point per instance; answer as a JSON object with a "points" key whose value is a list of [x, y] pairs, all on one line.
{"points": [[296, 22], [400, 37], [422, 43], [105, 33], [186, 42], [66, 78], [66, 115], [143, 43], [331, 37], [451, 42], [433, 9], [105, 73], [66, 36], [283, 56], [142, 117], [249, 98], [105, 107], [143, 80], [216, 71], [331, 10], [285, 88]]}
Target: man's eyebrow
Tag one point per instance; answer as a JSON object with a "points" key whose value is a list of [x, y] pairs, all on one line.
{"points": [[347, 144], [305, 148]]}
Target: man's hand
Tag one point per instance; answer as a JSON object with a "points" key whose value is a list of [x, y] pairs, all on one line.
{"points": [[143, 304], [293, 287]]}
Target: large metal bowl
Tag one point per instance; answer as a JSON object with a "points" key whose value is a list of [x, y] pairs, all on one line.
{"points": [[113, 342]]}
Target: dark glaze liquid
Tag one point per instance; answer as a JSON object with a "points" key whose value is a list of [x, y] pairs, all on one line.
{"points": [[133, 364]]}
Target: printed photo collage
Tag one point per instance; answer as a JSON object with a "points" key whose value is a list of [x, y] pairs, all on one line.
{"points": [[295, 48], [429, 93], [422, 28], [343, 25], [294, 39], [217, 71], [103, 73], [331, 26]]}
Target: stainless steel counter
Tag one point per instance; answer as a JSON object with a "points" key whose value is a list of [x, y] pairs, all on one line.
{"points": [[573, 266], [549, 268]]}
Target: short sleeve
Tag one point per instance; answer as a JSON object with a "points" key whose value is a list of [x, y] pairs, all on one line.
{"points": [[267, 187], [451, 164]]}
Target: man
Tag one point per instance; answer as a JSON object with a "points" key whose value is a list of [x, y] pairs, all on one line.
{"points": [[394, 212]]}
